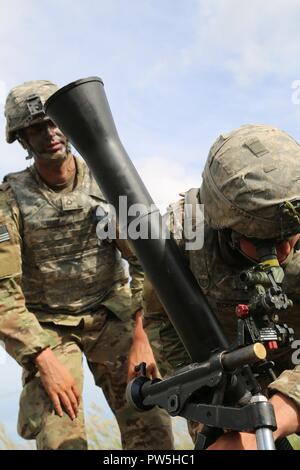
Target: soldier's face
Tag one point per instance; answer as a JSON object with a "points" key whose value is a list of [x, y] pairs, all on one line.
{"points": [[46, 141], [283, 248]]}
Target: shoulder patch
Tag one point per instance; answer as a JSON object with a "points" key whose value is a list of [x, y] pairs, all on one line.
{"points": [[256, 147], [4, 235]]}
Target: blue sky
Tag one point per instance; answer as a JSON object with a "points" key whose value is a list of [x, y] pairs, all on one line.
{"points": [[177, 73]]}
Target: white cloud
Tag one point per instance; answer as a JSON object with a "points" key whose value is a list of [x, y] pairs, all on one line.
{"points": [[3, 92], [164, 179], [248, 40]]}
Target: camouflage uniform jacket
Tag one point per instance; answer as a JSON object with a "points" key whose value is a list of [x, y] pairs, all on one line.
{"points": [[216, 268], [52, 266]]}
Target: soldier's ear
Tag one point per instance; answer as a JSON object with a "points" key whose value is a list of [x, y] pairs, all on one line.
{"points": [[22, 141]]}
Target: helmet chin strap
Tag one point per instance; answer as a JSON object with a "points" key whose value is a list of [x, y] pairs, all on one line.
{"points": [[30, 155], [25, 146]]}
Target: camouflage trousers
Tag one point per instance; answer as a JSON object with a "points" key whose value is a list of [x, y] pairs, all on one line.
{"points": [[105, 342], [169, 352]]}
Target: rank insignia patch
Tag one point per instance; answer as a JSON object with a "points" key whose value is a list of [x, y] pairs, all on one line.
{"points": [[4, 235]]}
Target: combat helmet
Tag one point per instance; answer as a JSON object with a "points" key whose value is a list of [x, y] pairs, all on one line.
{"points": [[251, 183], [25, 106]]}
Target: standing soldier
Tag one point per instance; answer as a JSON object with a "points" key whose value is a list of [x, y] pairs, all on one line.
{"points": [[63, 292]]}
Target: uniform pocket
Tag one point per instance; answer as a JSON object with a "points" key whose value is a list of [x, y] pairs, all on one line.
{"points": [[35, 405]]}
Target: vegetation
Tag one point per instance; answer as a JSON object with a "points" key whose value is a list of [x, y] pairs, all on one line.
{"points": [[103, 433], [5, 442]]}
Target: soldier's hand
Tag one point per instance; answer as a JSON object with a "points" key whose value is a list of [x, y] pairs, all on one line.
{"points": [[235, 441], [141, 351], [288, 422], [58, 383]]}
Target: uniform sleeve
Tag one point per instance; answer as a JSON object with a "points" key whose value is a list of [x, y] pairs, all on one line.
{"points": [[288, 383], [151, 303], [143, 293], [19, 329], [153, 309], [136, 273]]}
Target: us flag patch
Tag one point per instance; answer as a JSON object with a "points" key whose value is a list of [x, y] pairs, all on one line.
{"points": [[4, 235]]}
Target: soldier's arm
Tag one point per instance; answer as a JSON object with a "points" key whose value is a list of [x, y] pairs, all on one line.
{"points": [[136, 273], [288, 385], [154, 313], [141, 350], [19, 329], [288, 422], [24, 338]]}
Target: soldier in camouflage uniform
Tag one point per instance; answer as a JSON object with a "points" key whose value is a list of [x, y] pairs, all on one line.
{"points": [[251, 176], [63, 292]]}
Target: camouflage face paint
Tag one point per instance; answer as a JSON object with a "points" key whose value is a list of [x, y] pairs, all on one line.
{"points": [[46, 141]]}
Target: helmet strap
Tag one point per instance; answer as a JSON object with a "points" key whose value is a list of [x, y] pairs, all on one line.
{"points": [[25, 146], [233, 241], [30, 155]]}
